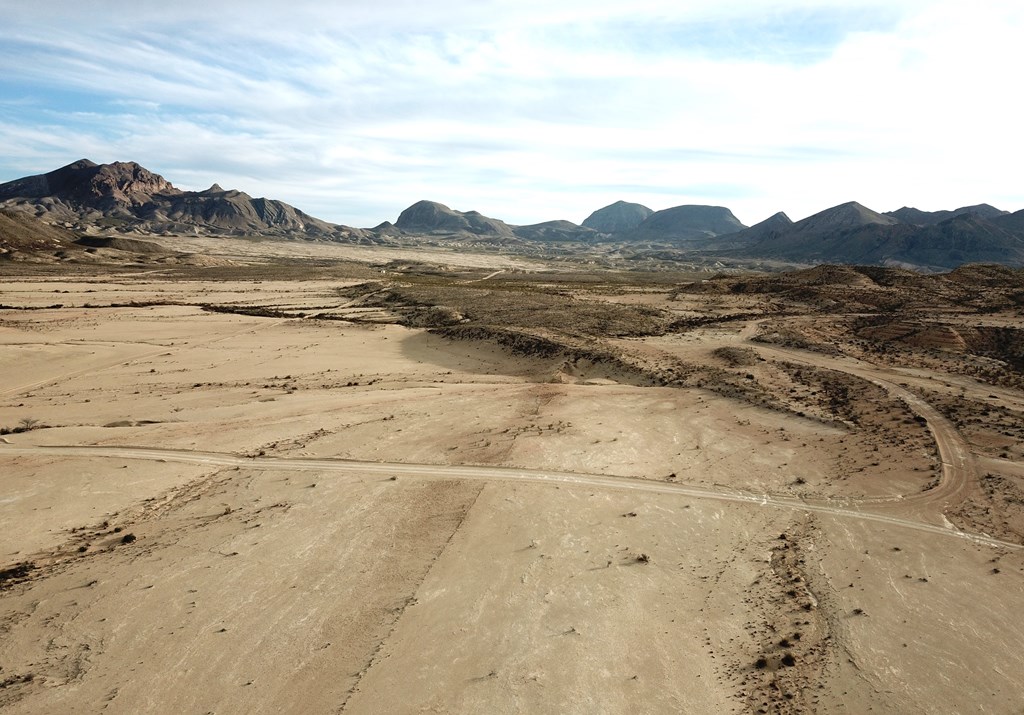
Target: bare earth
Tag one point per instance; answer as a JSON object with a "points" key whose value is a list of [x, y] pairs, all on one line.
{"points": [[217, 512]]}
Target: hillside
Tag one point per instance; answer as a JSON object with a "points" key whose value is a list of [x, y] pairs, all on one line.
{"points": [[433, 217], [851, 233], [771, 228], [555, 231], [928, 218], [23, 234], [688, 223], [617, 217], [127, 197]]}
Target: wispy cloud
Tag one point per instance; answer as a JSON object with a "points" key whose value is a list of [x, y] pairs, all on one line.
{"points": [[528, 112]]}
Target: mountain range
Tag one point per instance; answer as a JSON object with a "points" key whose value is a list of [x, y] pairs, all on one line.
{"points": [[126, 198]]}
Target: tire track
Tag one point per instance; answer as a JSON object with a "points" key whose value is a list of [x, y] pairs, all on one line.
{"points": [[837, 508], [959, 472], [6, 392]]}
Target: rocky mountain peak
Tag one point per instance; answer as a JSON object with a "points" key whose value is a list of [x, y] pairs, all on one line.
{"points": [[124, 183]]}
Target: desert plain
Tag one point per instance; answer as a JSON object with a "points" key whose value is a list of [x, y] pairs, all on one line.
{"points": [[272, 477]]}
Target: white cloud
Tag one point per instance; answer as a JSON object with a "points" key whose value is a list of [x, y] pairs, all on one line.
{"points": [[530, 112]]}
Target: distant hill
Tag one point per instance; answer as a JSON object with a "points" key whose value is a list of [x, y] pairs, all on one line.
{"points": [[104, 187], [771, 228], [429, 218], [617, 217], [815, 235], [842, 217], [1011, 222], [432, 217], [127, 197], [687, 223], [555, 231], [680, 223], [929, 218], [852, 233], [124, 199], [231, 211], [809, 240], [965, 238]]}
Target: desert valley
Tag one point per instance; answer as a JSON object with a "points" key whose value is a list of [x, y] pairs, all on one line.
{"points": [[447, 465]]}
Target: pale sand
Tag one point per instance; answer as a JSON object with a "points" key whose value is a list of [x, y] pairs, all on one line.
{"points": [[250, 589]]}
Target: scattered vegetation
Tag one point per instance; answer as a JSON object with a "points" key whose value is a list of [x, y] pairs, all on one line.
{"points": [[26, 424]]}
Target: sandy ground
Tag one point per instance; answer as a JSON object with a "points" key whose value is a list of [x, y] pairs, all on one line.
{"points": [[287, 586], [246, 250]]}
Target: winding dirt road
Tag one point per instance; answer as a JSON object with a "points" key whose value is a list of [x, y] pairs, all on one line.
{"points": [[959, 471]]}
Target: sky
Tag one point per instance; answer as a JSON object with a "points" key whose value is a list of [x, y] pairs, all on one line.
{"points": [[528, 110]]}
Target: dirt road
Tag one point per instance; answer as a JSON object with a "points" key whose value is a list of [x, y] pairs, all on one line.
{"points": [[959, 472], [338, 466]]}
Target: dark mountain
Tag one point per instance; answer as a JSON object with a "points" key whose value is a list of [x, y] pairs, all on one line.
{"points": [[816, 236], [129, 197], [125, 198], [689, 223], [101, 186], [617, 217], [929, 218], [772, 227], [965, 238], [560, 231], [851, 233], [230, 211], [842, 217], [848, 233], [1011, 222], [432, 217]]}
